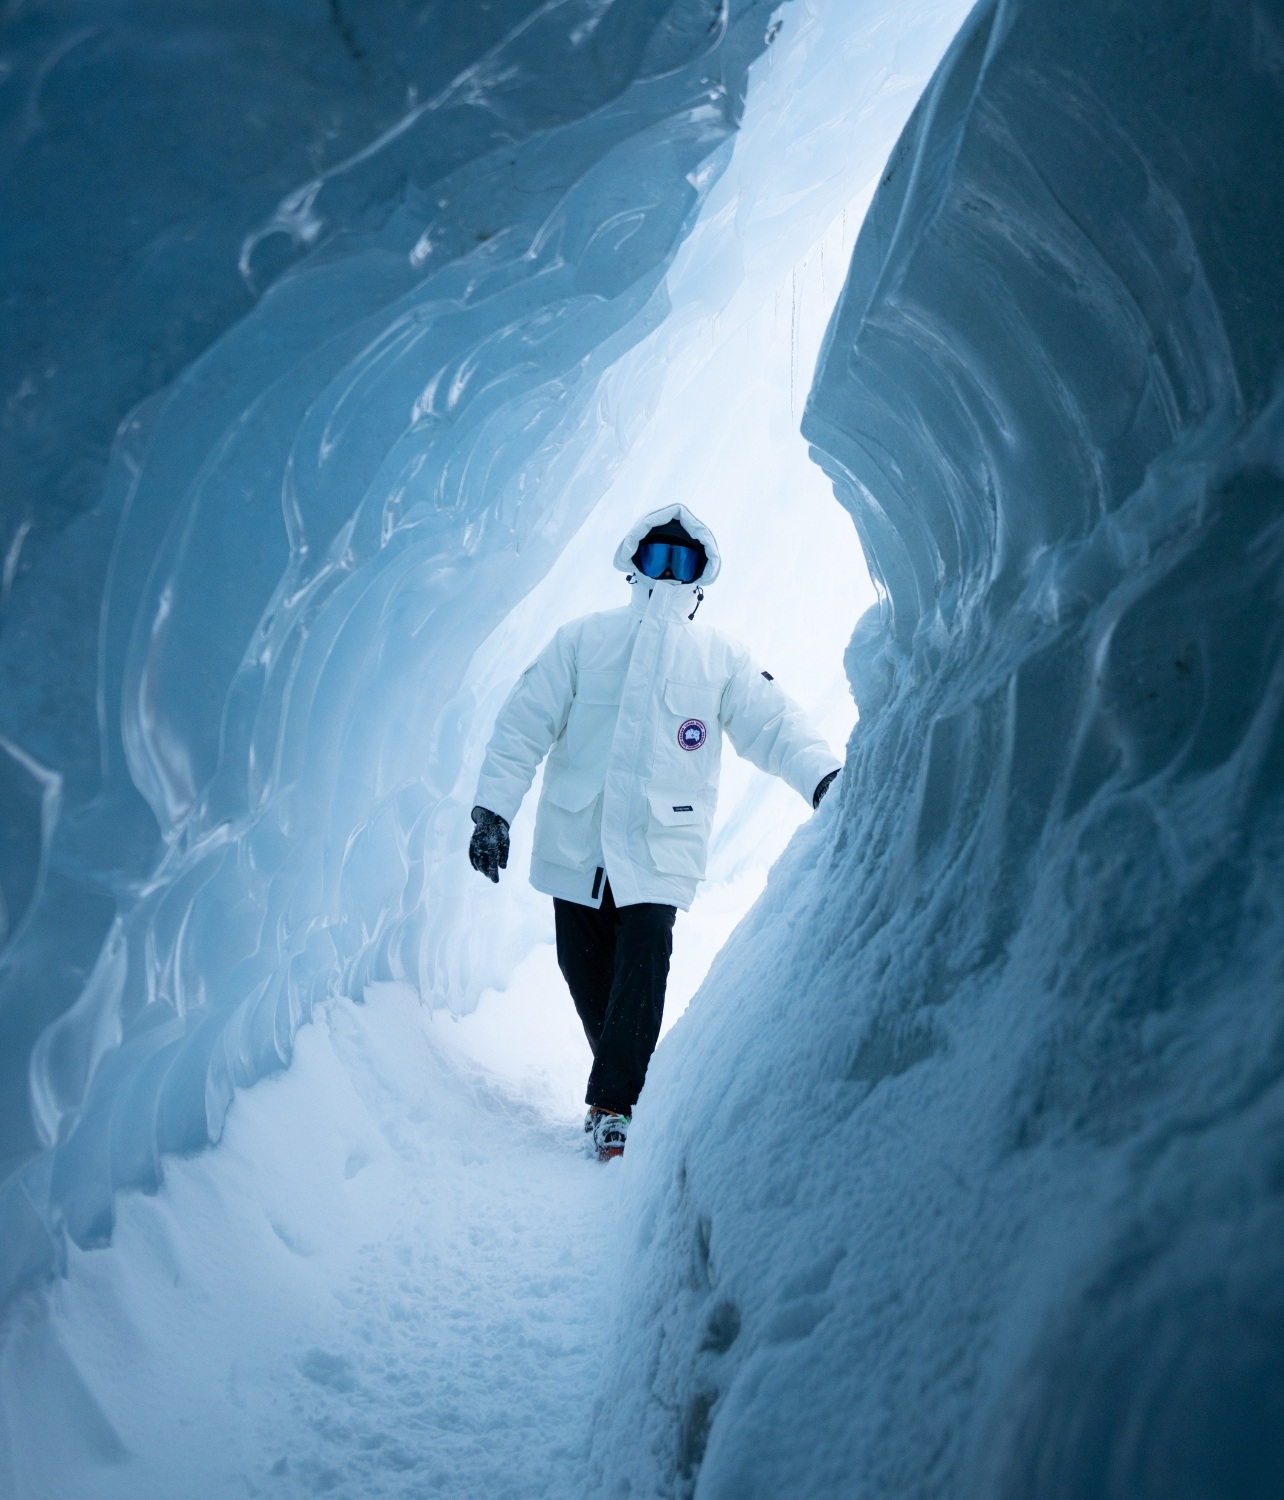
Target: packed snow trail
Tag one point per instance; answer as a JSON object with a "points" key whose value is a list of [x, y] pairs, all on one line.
{"points": [[403, 1265], [473, 1329]]}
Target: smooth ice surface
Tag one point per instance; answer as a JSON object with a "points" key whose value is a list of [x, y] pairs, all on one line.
{"points": [[385, 394], [961, 1176]]}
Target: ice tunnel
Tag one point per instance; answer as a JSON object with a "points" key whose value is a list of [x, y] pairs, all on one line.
{"points": [[341, 343]]}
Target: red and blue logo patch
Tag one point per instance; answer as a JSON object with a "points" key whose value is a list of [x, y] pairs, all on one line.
{"points": [[692, 734]]}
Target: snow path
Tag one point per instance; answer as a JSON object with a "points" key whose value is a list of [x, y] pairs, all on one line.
{"points": [[472, 1327], [390, 1279]]}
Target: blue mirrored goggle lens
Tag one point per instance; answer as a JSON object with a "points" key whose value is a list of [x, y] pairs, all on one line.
{"points": [[686, 563], [683, 562]]}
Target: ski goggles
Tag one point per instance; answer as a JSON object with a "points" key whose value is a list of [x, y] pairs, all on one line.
{"points": [[685, 563]]}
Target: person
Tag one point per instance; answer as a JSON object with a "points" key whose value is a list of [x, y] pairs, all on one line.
{"points": [[630, 706]]}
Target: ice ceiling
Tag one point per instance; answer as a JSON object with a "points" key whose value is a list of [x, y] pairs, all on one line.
{"points": [[337, 342]]}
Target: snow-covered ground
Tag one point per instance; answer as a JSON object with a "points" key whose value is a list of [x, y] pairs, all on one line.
{"points": [[392, 1279]]}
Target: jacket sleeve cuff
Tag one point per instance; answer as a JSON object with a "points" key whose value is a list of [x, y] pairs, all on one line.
{"points": [[496, 800], [811, 769]]}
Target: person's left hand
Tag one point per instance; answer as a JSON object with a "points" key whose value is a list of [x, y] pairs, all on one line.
{"points": [[825, 784], [488, 848]]}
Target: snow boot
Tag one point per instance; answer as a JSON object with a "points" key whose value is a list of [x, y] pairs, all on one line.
{"points": [[609, 1131]]}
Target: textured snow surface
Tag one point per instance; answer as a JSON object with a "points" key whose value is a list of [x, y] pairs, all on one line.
{"points": [[395, 1282], [962, 1175]]}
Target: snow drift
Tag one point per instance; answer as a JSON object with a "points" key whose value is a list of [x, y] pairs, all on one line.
{"points": [[962, 1175]]}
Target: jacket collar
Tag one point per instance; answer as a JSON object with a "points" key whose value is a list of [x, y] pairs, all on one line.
{"points": [[674, 598]]}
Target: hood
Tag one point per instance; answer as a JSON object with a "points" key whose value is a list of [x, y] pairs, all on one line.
{"points": [[713, 564]]}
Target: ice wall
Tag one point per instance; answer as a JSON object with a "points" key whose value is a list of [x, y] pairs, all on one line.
{"points": [[962, 1175], [338, 287]]}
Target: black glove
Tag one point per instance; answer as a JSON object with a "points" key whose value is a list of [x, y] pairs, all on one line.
{"points": [[488, 847], [821, 789]]}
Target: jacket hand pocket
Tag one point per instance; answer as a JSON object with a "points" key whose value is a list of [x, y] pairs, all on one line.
{"points": [[568, 823], [676, 834]]}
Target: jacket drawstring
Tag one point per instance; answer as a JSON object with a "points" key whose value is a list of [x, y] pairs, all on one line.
{"points": [[699, 602]]}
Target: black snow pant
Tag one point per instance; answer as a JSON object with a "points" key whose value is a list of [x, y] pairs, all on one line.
{"points": [[616, 962]]}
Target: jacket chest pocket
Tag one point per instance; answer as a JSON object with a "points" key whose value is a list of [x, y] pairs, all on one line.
{"points": [[591, 722], [676, 835], [693, 727], [568, 824]]}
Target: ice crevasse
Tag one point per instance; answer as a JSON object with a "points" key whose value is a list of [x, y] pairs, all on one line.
{"points": [[963, 1173]]}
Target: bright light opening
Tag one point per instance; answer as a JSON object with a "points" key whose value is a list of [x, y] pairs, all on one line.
{"points": [[751, 293]]}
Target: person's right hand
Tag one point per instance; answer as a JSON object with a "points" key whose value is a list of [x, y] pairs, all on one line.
{"points": [[825, 783], [488, 847]]}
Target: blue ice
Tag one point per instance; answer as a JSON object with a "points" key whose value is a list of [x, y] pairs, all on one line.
{"points": [[339, 341]]}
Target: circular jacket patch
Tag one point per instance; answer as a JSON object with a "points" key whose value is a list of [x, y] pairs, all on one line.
{"points": [[692, 734]]}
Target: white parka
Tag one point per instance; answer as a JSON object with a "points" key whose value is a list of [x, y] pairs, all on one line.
{"points": [[630, 706]]}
